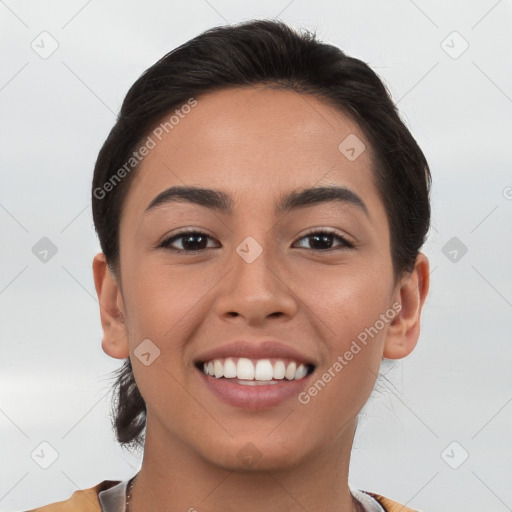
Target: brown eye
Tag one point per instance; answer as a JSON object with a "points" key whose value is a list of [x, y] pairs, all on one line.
{"points": [[323, 240], [190, 241]]}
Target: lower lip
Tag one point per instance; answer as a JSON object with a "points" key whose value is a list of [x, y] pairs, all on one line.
{"points": [[254, 397]]}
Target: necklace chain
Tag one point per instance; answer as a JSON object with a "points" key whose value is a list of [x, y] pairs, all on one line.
{"points": [[129, 493], [130, 487]]}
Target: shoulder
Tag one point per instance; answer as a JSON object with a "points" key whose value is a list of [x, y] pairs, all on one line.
{"points": [[85, 500], [389, 505]]}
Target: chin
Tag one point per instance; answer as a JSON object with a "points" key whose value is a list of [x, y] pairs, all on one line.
{"points": [[253, 455]]}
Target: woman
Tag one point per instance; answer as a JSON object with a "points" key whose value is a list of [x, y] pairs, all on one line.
{"points": [[261, 209]]}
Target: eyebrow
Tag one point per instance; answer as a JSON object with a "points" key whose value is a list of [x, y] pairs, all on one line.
{"points": [[223, 203]]}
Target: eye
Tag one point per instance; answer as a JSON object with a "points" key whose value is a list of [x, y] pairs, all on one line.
{"points": [[323, 240], [190, 241], [195, 241]]}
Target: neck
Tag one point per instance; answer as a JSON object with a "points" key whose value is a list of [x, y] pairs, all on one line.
{"points": [[173, 474]]}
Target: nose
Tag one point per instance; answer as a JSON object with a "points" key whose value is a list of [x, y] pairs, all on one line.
{"points": [[256, 291]]}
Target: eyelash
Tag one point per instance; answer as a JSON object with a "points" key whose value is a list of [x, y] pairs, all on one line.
{"points": [[345, 244]]}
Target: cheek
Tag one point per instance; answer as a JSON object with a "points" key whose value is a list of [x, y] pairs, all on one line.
{"points": [[348, 300], [164, 304], [347, 310], [346, 378], [356, 313], [151, 295]]}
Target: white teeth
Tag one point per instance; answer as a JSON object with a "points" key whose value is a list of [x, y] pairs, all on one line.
{"points": [[279, 370], [218, 369], [290, 371], [264, 370], [229, 368], [245, 369], [300, 372], [255, 371]]}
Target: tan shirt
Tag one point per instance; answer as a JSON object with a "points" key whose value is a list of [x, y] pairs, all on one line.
{"points": [[88, 500]]}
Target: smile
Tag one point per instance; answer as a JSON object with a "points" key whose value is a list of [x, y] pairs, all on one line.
{"points": [[258, 371], [254, 384]]}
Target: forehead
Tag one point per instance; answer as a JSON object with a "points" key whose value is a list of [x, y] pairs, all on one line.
{"points": [[254, 143]]}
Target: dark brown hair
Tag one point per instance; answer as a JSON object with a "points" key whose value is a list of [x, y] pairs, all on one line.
{"points": [[267, 53]]}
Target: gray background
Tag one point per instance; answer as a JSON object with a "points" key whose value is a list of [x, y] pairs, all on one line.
{"points": [[56, 112]]}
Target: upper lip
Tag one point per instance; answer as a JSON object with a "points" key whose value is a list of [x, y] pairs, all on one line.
{"points": [[264, 349]]}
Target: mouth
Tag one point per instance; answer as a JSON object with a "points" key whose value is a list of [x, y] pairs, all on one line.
{"points": [[254, 383], [247, 371]]}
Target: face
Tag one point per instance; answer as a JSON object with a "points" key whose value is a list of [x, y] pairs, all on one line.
{"points": [[256, 269]]}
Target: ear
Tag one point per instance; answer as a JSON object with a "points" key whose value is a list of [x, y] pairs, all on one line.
{"points": [[115, 339], [404, 330]]}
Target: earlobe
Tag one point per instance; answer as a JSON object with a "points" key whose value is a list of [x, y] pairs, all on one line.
{"points": [[404, 330], [112, 312]]}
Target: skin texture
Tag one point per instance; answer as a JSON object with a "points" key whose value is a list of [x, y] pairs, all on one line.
{"points": [[254, 144]]}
